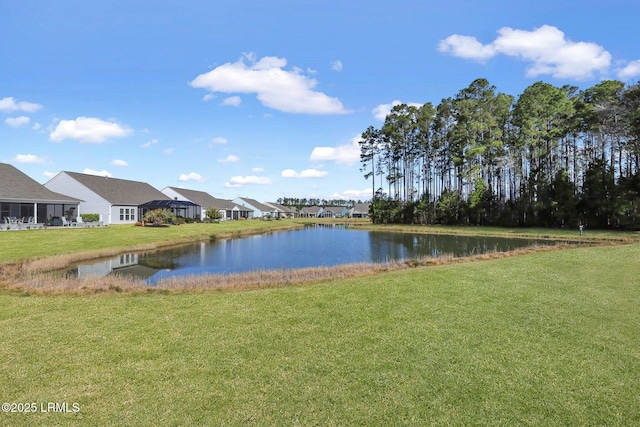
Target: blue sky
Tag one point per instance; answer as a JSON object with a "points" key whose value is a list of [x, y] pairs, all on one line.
{"points": [[267, 99]]}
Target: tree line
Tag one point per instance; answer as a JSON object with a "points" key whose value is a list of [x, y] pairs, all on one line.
{"points": [[553, 156], [299, 203]]}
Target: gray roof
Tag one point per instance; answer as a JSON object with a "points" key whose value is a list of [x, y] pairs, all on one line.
{"points": [[206, 200], [282, 208], [362, 207], [17, 186], [311, 209], [257, 205], [334, 209], [119, 191]]}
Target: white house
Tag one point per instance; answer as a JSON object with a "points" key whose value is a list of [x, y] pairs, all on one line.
{"points": [[115, 200], [259, 209], [360, 210], [311, 212], [282, 210], [228, 209], [334, 211]]}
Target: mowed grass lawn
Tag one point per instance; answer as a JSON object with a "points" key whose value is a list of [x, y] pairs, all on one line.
{"points": [[28, 244], [549, 338]]}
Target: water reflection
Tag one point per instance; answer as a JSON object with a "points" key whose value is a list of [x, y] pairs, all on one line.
{"points": [[322, 245]]}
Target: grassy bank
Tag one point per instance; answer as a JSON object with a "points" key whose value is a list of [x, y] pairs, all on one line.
{"points": [[91, 242], [538, 233], [548, 338]]}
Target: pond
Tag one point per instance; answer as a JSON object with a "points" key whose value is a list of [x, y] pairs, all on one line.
{"points": [[312, 246]]}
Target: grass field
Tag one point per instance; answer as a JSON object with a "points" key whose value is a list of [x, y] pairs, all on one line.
{"points": [[549, 338], [29, 244]]}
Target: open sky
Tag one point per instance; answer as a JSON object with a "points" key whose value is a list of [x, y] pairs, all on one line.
{"points": [[267, 99]]}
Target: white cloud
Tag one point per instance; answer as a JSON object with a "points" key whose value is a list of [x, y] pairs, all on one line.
{"points": [[630, 71], [347, 153], [229, 159], [241, 181], [336, 65], [233, 101], [257, 170], [208, 97], [36, 126], [16, 122], [9, 105], [193, 176], [168, 151], [99, 173], [288, 91], [28, 158], [466, 47], [547, 49], [219, 140], [148, 144], [48, 174], [88, 130], [117, 162], [381, 111], [307, 173]]}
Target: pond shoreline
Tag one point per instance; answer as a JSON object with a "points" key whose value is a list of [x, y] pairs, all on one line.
{"points": [[46, 284], [19, 276]]}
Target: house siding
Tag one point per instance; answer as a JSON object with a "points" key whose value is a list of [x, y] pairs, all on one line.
{"points": [[91, 202]]}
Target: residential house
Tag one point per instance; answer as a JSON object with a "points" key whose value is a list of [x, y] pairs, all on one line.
{"points": [[311, 212], [334, 211], [260, 210], [282, 210], [116, 201], [23, 197], [360, 210], [229, 210]]}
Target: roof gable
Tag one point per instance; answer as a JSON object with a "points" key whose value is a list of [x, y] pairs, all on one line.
{"points": [[16, 185], [311, 209], [362, 207], [119, 191], [281, 207], [335, 209], [257, 205], [206, 200]]}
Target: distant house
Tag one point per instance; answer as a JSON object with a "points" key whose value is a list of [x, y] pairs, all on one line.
{"points": [[334, 212], [282, 210], [115, 200], [311, 212], [260, 210], [24, 197], [228, 209], [360, 210]]}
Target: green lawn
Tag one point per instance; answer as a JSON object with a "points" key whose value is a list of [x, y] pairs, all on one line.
{"points": [[22, 245], [550, 338]]}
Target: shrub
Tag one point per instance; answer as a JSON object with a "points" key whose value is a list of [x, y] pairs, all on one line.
{"points": [[90, 217], [159, 217]]}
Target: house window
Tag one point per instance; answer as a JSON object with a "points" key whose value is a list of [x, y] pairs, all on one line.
{"points": [[127, 214]]}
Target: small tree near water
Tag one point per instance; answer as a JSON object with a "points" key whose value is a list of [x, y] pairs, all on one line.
{"points": [[213, 215]]}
